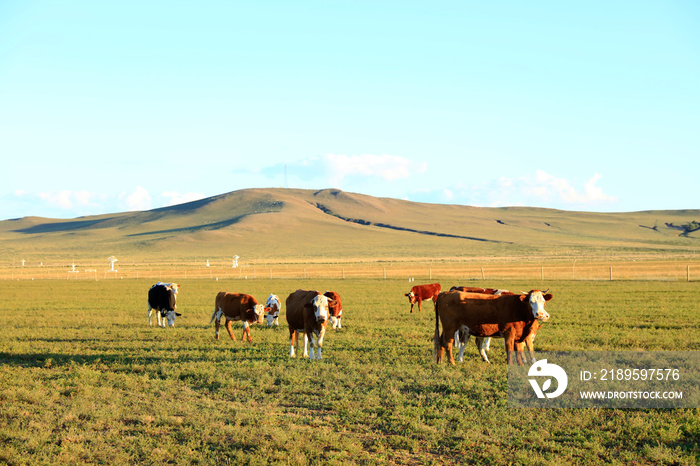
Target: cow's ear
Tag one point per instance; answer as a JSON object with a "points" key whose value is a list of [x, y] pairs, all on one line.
{"points": [[548, 296], [407, 294], [267, 309], [178, 314]]}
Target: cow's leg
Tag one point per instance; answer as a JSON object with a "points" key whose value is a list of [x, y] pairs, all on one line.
{"points": [[481, 348], [509, 341], [441, 349], [519, 355], [313, 340], [412, 307], [228, 327], [292, 341], [150, 310], [419, 309], [448, 346], [246, 331], [216, 317], [529, 342], [306, 345], [461, 339], [217, 325], [319, 342]]}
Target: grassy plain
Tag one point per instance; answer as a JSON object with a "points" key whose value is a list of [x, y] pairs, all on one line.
{"points": [[83, 379]]}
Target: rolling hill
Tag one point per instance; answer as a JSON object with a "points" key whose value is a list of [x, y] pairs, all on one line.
{"points": [[307, 225]]}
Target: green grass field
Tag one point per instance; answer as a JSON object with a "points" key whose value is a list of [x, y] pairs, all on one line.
{"points": [[84, 379]]}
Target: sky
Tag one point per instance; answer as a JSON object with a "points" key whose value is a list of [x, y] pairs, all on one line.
{"points": [[120, 106]]}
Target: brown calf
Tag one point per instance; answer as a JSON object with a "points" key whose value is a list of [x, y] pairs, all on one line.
{"points": [[335, 307], [235, 307], [421, 293]]}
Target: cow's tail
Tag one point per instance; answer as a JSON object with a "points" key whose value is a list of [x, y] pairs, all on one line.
{"points": [[436, 338]]}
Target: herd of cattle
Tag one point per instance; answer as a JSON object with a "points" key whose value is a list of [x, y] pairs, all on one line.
{"points": [[484, 313]]}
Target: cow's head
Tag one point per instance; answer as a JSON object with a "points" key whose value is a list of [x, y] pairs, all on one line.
{"points": [[258, 312], [411, 297], [320, 305], [170, 316], [271, 314], [536, 299]]}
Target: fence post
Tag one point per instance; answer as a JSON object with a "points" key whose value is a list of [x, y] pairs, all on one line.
{"points": [[343, 273], [687, 273], [482, 274], [542, 273], [384, 273], [430, 273], [611, 273]]}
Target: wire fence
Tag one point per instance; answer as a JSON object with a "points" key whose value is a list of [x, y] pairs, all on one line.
{"points": [[618, 270]]}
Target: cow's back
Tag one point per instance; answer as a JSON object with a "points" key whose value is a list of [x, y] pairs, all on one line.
{"points": [[295, 307], [424, 292], [472, 309], [161, 298], [234, 304]]}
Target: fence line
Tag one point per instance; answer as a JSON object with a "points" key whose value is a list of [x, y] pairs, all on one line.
{"points": [[649, 270]]}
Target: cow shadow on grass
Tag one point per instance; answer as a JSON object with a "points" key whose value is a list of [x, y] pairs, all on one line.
{"points": [[123, 358]]}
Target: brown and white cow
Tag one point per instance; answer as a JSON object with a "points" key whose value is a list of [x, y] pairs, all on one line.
{"points": [[335, 308], [272, 310], [421, 293], [457, 309], [235, 307], [307, 313], [483, 334]]}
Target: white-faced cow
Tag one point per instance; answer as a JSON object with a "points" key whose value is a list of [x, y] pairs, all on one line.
{"points": [[272, 310], [307, 313], [335, 308], [420, 293], [162, 297], [483, 333], [235, 307], [457, 309]]}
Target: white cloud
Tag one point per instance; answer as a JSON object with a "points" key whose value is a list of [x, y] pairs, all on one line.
{"points": [[139, 199], [386, 167], [175, 198], [364, 172], [538, 189], [64, 199], [550, 188]]}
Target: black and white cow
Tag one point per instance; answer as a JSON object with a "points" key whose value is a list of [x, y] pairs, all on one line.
{"points": [[162, 297]]}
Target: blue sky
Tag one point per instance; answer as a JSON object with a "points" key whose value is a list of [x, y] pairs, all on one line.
{"points": [[117, 106]]}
